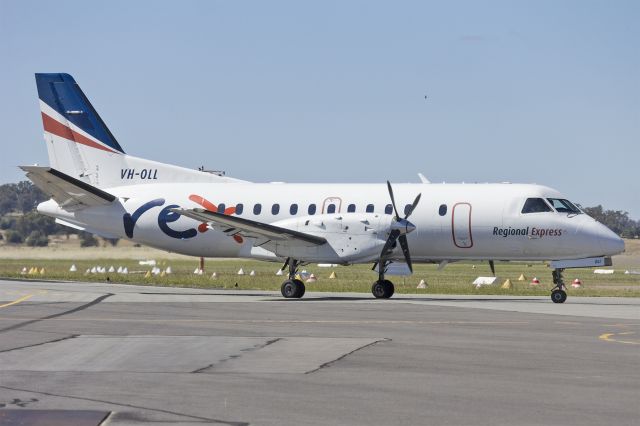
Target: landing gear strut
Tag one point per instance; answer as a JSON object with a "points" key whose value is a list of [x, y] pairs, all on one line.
{"points": [[382, 289], [292, 288], [558, 293]]}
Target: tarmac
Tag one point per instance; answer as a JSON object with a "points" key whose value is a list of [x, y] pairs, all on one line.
{"points": [[88, 354]]}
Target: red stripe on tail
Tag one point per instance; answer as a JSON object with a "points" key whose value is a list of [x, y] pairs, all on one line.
{"points": [[54, 126]]}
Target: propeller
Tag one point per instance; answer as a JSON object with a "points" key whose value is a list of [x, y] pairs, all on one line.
{"points": [[400, 227]]}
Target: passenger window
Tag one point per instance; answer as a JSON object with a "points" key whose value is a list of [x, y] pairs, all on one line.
{"points": [[293, 209], [275, 209], [331, 208], [312, 209], [370, 208], [563, 206], [388, 209], [239, 208], [257, 209], [442, 210], [351, 208], [221, 208], [535, 205]]}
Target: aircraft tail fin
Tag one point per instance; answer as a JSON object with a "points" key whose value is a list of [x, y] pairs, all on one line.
{"points": [[81, 145]]}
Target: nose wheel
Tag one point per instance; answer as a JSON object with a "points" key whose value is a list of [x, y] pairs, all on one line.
{"points": [[558, 293]]}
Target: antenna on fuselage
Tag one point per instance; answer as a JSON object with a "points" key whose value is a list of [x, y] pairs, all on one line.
{"points": [[423, 179]]}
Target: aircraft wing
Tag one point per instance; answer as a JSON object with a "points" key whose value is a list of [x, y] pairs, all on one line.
{"points": [[70, 193], [262, 232]]}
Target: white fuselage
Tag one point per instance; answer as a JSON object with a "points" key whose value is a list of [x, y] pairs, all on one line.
{"points": [[453, 221]]}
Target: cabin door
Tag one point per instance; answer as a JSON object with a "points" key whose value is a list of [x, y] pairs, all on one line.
{"points": [[461, 225]]}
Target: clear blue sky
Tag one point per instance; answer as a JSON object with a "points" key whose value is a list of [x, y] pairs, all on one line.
{"points": [[538, 91]]}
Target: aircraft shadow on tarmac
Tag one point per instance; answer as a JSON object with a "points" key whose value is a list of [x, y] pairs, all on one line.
{"points": [[361, 298]]}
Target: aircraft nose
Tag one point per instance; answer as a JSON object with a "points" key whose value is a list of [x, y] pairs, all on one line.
{"points": [[609, 242]]}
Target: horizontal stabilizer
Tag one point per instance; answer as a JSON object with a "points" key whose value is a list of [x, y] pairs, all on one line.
{"points": [[70, 193], [232, 225]]}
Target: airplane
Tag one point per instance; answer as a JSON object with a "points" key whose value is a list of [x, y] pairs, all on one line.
{"points": [[96, 187]]}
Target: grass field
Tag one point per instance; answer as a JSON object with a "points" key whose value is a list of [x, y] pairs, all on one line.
{"points": [[456, 278]]}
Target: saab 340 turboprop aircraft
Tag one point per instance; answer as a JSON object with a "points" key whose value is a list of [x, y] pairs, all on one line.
{"points": [[96, 187]]}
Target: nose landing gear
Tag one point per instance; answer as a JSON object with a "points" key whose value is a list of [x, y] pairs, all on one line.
{"points": [[558, 293], [292, 288]]}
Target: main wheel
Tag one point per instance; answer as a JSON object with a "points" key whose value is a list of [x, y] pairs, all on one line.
{"points": [[292, 289], [558, 296], [382, 289], [301, 288]]}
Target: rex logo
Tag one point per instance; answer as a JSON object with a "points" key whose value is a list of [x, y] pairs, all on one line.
{"points": [[166, 216]]}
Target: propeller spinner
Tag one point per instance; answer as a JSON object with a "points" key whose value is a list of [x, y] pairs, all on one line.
{"points": [[400, 227]]}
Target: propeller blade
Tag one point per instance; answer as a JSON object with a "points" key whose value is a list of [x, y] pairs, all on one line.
{"points": [[393, 236], [493, 267], [393, 200], [413, 206], [405, 250]]}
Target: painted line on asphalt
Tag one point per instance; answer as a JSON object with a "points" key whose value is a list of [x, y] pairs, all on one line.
{"points": [[15, 302], [607, 338]]}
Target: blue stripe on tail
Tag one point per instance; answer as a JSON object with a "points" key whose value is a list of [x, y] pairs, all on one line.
{"points": [[62, 93]]}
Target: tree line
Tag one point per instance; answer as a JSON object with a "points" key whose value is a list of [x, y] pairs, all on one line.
{"points": [[23, 225]]}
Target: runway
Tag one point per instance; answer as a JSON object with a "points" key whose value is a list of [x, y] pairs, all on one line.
{"points": [[154, 355]]}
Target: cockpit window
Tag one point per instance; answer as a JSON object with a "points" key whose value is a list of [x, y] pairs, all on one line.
{"points": [[535, 205], [564, 206]]}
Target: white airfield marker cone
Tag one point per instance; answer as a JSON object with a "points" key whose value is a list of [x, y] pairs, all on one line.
{"points": [[241, 271], [73, 268], [252, 273], [422, 284], [279, 273]]}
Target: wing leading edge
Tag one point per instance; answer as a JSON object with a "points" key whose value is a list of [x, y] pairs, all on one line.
{"points": [[262, 232]]}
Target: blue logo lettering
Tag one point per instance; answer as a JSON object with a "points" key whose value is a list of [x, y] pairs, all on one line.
{"points": [[166, 216], [131, 219]]}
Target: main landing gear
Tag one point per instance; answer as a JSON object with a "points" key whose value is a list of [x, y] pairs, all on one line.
{"points": [[292, 288], [382, 289], [558, 293]]}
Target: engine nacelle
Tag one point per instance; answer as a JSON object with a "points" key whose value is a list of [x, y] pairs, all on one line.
{"points": [[351, 237]]}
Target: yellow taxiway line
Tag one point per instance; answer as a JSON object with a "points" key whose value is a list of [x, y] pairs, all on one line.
{"points": [[607, 338], [15, 302]]}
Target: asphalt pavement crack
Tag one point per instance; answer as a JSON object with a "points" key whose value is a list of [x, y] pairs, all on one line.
{"points": [[137, 407], [73, 336], [330, 363], [71, 311], [250, 349]]}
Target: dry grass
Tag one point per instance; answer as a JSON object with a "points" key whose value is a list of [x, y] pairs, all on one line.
{"points": [[454, 279]]}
